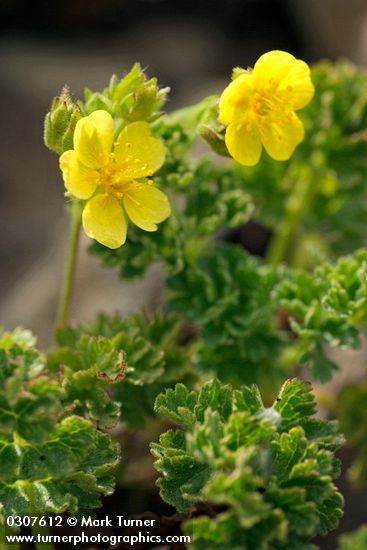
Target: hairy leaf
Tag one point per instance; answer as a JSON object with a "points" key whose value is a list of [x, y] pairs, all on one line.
{"points": [[269, 485]]}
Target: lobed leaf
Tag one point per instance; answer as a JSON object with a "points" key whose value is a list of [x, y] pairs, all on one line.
{"points": [[51, 459], [266, 474]]}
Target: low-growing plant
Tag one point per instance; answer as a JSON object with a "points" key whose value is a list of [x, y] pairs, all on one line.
{"points": [[248, 467], [267, 473]]}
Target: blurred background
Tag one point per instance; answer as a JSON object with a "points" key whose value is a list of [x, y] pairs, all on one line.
{"points": [[191, 46]]}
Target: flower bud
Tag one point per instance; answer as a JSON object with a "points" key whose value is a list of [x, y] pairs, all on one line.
{"points": [[60, 123], [135, 97], [214, 138], [213, 131]]}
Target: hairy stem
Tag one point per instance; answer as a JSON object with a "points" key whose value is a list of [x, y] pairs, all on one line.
{"points": [[4, 530], [281, 247], [70, 268], [42, 531]]}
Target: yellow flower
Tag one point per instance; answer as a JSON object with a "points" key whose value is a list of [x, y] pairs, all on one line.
{"points": [[113, 177], [258, 108]]}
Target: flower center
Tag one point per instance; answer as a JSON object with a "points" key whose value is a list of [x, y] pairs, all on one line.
{"points": [[263, 104], [118, 176], [269, 100]]}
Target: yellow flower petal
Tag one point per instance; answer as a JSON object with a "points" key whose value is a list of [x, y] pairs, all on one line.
{"points": [[273, 66], [93, 138], [258, 108], [146, 205], [104, 220], [296, 87], [243, 143], [79, 180], [235, 99], [281, 137], [139, 152]]}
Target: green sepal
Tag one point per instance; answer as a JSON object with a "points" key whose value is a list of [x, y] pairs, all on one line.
{"points": [[60, 122], [132, 98]]}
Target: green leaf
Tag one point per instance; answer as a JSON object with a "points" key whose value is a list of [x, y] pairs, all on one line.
{"points": [[331, 510], [85, 351], [240, 432], [139, 356], [327, 309], [45, 477], [178, 405], [86, 365], [295, 403], [215, 396], [249, 399], [289, 449], [47, 452], [227, 294], [267, 483], [183, 476]]}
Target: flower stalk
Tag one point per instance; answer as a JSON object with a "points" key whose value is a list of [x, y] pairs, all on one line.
{"points": [[4, 530], [70, 268], [43, 532], [282, 245]]}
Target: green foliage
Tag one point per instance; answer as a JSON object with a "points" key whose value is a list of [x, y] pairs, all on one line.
{"points": [[227, 294], [215, 200], [347, 288], [266, 473], [86, 365], [236, 302], [242, 309], [354, 541], [326, 308], [51, 459], [140, 358], [156, 359]]}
